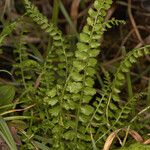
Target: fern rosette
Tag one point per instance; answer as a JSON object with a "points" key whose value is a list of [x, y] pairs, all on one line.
{"points": [[66, 84]]}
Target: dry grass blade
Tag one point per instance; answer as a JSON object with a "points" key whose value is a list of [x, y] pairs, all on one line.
{"points": [[146, 142], [74, 11], [110, 139], [113, 135], [136, 136]]}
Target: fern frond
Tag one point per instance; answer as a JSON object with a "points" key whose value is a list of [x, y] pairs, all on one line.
{"points": [[42, 21], [84, 67], [108, 109], [59, 46], [6, 31], [126, 64], [113, 22], [53, 76], [127, 111], [25, 68]]}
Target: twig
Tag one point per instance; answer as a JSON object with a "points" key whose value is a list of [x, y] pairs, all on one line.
{"points": [[133, 22]]}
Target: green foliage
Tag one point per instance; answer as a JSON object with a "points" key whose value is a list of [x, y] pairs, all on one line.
{"points": [[6, 134], [7, 93], [126, 64], [62, 85], [136, 146], [6, 31]]}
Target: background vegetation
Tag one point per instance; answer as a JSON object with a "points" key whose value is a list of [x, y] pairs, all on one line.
{"points": [[74, 74]]}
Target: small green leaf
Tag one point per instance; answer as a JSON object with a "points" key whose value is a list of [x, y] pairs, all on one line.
{"points": [[76, 97], [52, 101], [81, 55], [90, 71], [70, 124], [103, 12], [89, 91], [79, 65], [72, 105], [98, 26], [84, 37], [128, 64], [92, 62], [89, 82], [116, 90], [146, 51], [74, 87], [54, 111], [86, 29], [96, 36], [132, 59], [87, 98], [90, 21], [92, 13], [124, 68], [69, 135], [113, 106], [82, 47], [83, 118], [120, 76], [76, 76], [95, 44], [7, 93], [140, 53], [94, 52], [98, 5], [135, 54], [98, 117], [52, 93], [108, 25], [87, 110]]}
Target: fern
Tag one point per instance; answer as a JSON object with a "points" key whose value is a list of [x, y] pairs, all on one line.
{"points": [[111, 100], [110, 23], [126, 64], [61, 101], [7, 30], [65, 84], [53, 74]]}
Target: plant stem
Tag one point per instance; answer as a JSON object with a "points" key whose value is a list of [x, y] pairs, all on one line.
{"points": [[55, 12]]}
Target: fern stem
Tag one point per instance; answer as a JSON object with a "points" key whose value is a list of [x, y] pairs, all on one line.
{"points": [[141, 112], [148, 93], [78, 111], [107, 109], [100, 102], [117, 119], [100, 80], [22, 72], [129, 84]]}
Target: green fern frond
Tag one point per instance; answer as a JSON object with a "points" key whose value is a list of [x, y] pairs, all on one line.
{"points": [[66, 84], [6, 31], [126, 64], [113, 22], [42, 21], [25, 68], [128, 108], [84, 67], [58, 50], [108, 109]]}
